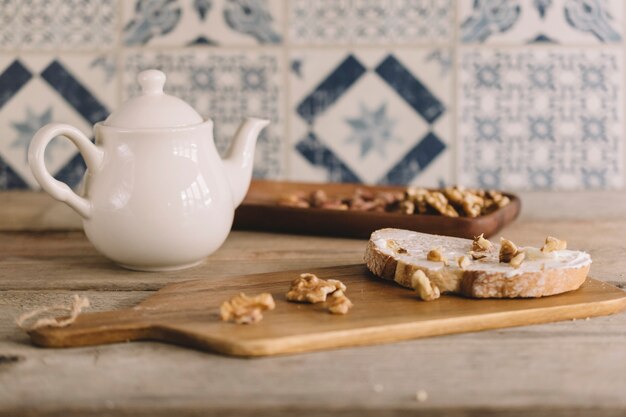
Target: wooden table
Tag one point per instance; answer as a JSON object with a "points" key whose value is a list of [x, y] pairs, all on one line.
{"points": [[562, 369]]}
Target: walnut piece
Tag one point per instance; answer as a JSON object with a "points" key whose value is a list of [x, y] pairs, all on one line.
{"points": [[311, 289], [470, 203], [517, 260], [318, 198], [407, 207], [463, 262], [477, 255], [553, 244], [426, 290], [439, 202], [451, 201], [395, 246], [507, 250], [294, 200], [435, 255], [498, 198], [246, 310], [480, 244], [338, 303], [334, 205]]}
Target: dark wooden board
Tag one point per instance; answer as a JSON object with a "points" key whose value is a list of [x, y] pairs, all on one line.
{"points": [[186, 314], [260, 211]]}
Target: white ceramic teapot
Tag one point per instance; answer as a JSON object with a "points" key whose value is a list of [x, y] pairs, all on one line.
{"points": [[157, 196]]}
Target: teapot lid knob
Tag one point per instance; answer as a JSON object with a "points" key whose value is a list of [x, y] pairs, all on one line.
{"points": [[151, 81]]}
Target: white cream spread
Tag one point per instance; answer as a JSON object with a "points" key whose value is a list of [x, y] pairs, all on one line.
{"points": [[418, 244]]}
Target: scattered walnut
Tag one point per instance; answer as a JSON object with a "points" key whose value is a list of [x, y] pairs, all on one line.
{"points": [[395, 246], [480, 244], [507, 250], [463, 262], [435, 255], [553, 244], [517, 260], [246, 310], [338, 303], [311, 289], [426, 290]]}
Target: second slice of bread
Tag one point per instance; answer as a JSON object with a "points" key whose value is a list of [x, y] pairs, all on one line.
{"points": [[400, 255]]}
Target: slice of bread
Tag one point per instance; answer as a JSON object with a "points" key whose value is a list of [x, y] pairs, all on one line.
{"points": [[401, 256]]}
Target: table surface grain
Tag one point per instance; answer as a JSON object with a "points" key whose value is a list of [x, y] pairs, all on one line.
{"points": [[569, 369]]}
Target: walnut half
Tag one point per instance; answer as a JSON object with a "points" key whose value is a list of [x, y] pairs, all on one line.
{"points": [[246, 310], [311, 289], [508, 250], [338, 303]]}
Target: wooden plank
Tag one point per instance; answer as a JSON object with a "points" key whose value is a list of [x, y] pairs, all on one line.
{"points": [[28, 211], [186, 314], [35, 211], [66, 260], [52, 260], [562, 369]]}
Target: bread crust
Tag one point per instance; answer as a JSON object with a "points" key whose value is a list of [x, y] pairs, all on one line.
{"points": [[481, 284]]}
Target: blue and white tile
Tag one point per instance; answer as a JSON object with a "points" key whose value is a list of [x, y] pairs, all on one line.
{"points": [[226, 86], [202, 22], [544, 118], [58, 24], [541, 21], [374, 116], [40, 89], [355, 22]]}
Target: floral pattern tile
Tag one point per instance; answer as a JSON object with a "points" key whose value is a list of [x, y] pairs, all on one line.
{"points": [[541, 21], [373, 116], [226, 86], [40, 89], [516, 94], [202, 22], [370, 21], [57, 24], [541, 118]]}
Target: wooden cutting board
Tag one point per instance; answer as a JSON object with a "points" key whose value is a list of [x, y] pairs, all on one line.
{"points": [[186, 314], [260, 211]]}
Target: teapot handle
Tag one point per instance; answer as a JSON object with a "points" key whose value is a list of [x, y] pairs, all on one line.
{"points": [[92, 154]]}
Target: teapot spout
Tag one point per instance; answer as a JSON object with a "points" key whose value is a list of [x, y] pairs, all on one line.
{"points": [[240, 159]]}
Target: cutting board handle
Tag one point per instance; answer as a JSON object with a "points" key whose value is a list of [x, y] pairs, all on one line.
{"points": [[96, 328]]}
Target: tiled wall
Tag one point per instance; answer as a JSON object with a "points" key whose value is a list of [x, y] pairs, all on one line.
{"points": [[517, 94]]}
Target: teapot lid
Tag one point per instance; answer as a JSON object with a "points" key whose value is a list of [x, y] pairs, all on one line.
{"points": [[153, 108]]}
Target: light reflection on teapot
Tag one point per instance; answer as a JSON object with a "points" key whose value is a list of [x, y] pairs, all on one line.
{"points": [[157, 194]]}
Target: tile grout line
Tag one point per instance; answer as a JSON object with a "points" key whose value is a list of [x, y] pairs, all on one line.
{"points": [[275, 47], [623, 104], [286, 96], [284, 50], [454, 96]]}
